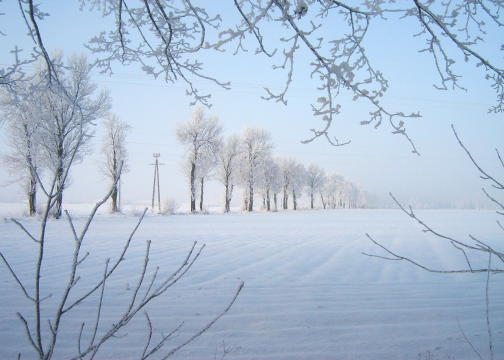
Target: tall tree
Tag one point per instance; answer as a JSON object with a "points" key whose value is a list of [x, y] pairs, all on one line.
{"points": [[287, 167], [256, 148], [315, 179], [270, 181], [62, 113], [297, 183], [24, 140], [228, 166], [330, 194], [68, 115], [201, 135], [204, 170], [115, 153]]}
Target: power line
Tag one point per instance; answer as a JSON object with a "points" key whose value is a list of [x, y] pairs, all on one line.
{"points": [[236, 86]]}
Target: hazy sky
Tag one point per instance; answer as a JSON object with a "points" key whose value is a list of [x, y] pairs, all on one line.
{"points": [[376, 160]]}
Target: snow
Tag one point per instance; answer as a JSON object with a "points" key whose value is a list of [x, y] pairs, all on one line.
{"points": [[309, 292]]}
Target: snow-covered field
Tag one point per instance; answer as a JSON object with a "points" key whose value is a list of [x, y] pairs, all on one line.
{"points": [[309, 292]]}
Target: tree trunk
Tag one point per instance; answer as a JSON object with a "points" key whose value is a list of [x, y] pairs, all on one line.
{"points": [[115, 190], [311, 199], [193, 190], [294, 202], [268, 201], [32, 192], [251, 197], [275, 201], [59, 194], [59, 183], [32, 197], [202, 181], [58, 205], [230, 196], [323, 201], [245, 201], [285, 198], [226, 197], [113, 196]]}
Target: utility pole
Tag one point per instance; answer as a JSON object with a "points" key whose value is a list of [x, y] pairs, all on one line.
{"points": [[156, 181]]}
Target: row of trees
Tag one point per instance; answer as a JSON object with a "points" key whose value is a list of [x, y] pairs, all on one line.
{"points": [[50, 128], [246, 161]]}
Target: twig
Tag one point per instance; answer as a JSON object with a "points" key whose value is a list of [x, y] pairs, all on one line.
{"points": [[121, 258], [25, 230], [13, 273], [468, 341], [100, 303], [403, 258], [208, 326], [485, 175], [30, 337], [161, 343]]}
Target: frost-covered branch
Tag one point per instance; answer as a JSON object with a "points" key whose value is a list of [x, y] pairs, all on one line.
{"points": [[15, 277], [397, 257], [44, 343], [470, 250], [166, 38], [169, 33], [496, 183]]}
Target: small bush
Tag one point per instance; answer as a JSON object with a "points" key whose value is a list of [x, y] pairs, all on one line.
{"points": [[170, 206]]}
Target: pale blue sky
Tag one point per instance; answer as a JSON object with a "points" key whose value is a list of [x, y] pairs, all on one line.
{"points": [[376, 160]]}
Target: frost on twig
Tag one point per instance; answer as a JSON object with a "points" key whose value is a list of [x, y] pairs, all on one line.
{"points": [[165, 38], [161, 36], [340, 62]]}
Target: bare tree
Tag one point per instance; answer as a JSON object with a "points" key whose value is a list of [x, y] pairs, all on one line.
{"points": [[24, 139], [298, 181], [256, 148], [67, 115], [201, 135], [206, 165], [270, 181], [276, 184], [315, 179], [331, 193], [115, 152], [287, 167], [63, 115], [43, 339], [352, 196], [228, 167]]}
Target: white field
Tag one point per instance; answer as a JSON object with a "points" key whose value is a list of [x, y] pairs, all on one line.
{"points": [[309, 292]]}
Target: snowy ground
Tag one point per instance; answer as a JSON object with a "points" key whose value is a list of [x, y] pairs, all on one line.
{"points": [[309, 292]]}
